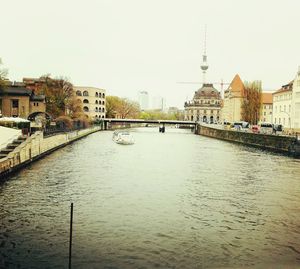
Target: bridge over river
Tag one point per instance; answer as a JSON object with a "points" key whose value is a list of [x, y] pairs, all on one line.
{"points": [[160, 122]]}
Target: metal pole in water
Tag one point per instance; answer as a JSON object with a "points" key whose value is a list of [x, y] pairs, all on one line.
{"points": [[71, 232]]}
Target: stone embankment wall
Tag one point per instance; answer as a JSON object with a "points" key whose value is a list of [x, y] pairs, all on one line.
{"points": [[277, 143], [36, 146]]}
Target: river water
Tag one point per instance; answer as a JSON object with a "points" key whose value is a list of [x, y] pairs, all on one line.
{"points": [[172, 200]]}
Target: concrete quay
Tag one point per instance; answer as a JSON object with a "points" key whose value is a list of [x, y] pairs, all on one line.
{"points": [[37, 146], [289, 145]]}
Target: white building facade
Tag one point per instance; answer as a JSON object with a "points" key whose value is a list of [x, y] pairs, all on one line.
{"points": [[282, 106], [295, 114], [93, 101]]}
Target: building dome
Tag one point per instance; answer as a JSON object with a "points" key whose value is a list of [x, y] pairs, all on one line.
{"points": [[207, 91]]}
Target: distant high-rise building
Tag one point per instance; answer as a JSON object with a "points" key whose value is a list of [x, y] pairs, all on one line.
{"points": [[143, 99], [159, 102]]}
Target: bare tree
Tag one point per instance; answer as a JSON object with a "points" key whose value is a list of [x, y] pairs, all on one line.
{"points": [[3, 74], [251, 106]]}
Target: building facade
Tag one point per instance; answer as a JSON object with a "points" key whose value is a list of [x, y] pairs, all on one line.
{"points": [[93, 101], [143, 99], [205, 106], [282, 105], [267, 108], [295, 113], [18, 101], [158, 103], [233, 99]]}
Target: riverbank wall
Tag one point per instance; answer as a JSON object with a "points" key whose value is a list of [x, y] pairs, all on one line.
{"points": [[283, 144], [36, 146]]}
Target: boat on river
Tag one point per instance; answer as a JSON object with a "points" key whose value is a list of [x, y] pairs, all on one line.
{"points": [[123, 138]]}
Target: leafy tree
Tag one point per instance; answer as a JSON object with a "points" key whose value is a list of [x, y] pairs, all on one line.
{"points": [[251, 106], [123, 108], [112, 104], [60, 97], [128, 109]]}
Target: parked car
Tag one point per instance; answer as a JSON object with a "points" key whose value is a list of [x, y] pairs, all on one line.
{"points": [[241, 126], [277, 128], [266, 128], [255, 129]]}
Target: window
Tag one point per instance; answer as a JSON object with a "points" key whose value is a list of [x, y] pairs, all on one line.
{"points": [[103, 95], [85, 93], [85, 101], [265, 114], [103, 110], [85, 109], [96, 109], [103, 103], [96, 94], [15, 103], [96, 102], [78, 93]]}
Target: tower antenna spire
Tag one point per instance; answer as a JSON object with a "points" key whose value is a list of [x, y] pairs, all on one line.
{"points": [[204, 65]]}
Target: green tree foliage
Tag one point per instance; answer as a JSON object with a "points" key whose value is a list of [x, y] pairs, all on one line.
{"points": [[123, 108], [251, 106], [159, 115], [60, 97]]}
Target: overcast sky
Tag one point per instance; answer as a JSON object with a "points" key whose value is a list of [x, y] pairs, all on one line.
{"points": [[126, 46]]}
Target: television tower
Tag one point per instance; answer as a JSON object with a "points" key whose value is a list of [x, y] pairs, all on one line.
{"points": [[204, 65]]}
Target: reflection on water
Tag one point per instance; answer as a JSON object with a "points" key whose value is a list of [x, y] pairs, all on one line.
{"points": [[172, 200]]}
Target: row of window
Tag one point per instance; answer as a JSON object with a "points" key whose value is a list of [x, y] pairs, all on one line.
{"points": [[86, 101], [86, 109], [282, 121], [210, 119], [86, 93], [207, 102], [203, 111], [286, 96], [284, 109], [100, 116]]}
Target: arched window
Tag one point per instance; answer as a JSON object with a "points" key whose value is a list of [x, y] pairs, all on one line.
{"points": [[85, 109], [96, 94], [103, 103], [103, 95], [96, 102], [103, 110], [85, 101], [85, 93], [96, 109], [78, 93], [102, 117]]}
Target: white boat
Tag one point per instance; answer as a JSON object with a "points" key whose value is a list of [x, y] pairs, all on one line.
{"points": [[123, 138]]}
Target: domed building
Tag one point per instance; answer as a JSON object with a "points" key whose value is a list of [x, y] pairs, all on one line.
{"points": [[205, 106]]}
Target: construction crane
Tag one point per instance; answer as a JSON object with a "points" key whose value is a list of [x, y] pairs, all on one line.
{"points": [[201, 83]]}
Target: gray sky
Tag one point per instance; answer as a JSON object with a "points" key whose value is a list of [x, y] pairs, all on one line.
{"points": [[129, 45]]}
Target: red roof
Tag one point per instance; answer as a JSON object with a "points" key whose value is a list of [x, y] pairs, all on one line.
{"points": [[267, 98]]}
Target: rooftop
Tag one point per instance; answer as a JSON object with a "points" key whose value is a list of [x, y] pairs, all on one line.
{"points": [[267, 98]]}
